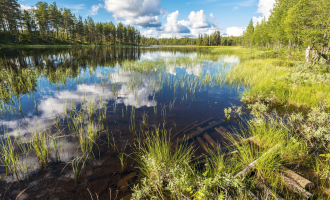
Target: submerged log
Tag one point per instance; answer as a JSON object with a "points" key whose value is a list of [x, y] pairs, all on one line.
{"points": [[210, 141], [195, 133], [173, 136], [296, 188], [303, 182], [223, 131], [196, 125], [202, 143]]}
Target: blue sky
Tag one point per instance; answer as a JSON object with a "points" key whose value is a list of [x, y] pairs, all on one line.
{"points": [[169, 18]]}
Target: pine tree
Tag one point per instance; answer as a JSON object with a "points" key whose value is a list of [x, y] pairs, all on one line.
{"points": [[53, 17], [42, 18]]}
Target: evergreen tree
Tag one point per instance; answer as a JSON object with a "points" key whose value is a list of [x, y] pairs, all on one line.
{"points": [[42, 18]]}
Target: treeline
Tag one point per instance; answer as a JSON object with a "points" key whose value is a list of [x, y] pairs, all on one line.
{"points": [[303, 24], [48, 24], [203, 40]]}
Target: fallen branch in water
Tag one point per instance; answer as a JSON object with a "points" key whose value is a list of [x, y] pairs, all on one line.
{"points": [[195, 133], [210, 141]]}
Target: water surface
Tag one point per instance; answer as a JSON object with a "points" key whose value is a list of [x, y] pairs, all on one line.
{"points": [[123, 92]]}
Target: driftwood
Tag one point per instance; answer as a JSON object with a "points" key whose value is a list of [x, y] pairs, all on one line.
{"points": [[202, 143], [303, 182], [295, 182], [173, 136], [211, 141], [296, 188], [249, 168], [195, 133]]}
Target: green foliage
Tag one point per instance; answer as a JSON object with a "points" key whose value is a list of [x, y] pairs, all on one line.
{"points": [[294, 24], [169, 173], [48, 24]]}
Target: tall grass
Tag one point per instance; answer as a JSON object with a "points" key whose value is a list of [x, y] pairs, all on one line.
{"points": [[266, 81], [169, 172]]}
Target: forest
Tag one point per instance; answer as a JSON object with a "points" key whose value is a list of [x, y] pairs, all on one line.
{"points": [[46, 24], [300, 25]]}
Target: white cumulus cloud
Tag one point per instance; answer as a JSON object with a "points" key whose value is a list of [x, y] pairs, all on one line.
{"points": [[256, 20], [235, 31], [143, 13], [196, 24], [173, 26], [198, 19], [212, 16], [25, 7], [264, 7], [95, 8]]}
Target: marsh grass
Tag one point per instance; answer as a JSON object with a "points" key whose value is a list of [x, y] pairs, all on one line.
{"points": [[268, 81], [12, 159], [284, 141], [169, 171]]}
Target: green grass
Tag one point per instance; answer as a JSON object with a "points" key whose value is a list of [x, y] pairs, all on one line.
{"points": [[167, 172], [266, 81]]}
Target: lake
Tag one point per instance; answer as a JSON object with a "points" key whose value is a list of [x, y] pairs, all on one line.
{"points": [[70, 117]]}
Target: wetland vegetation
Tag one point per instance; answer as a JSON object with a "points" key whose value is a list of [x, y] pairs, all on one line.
{"points": [[190, 122], [82, 118]]}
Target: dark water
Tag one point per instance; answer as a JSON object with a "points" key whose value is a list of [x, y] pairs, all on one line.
{"points": [[141, 89]]}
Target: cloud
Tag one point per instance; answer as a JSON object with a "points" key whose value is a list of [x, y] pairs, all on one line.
{"points": [[25, 7], [143, 21], [76, 7], [150, 33], [95, 8], [264, 7], [212, 16], [256, 20], [235, 31], [143, 13], [132, 8], [173, 26], [198, 19], [197, 24]]}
